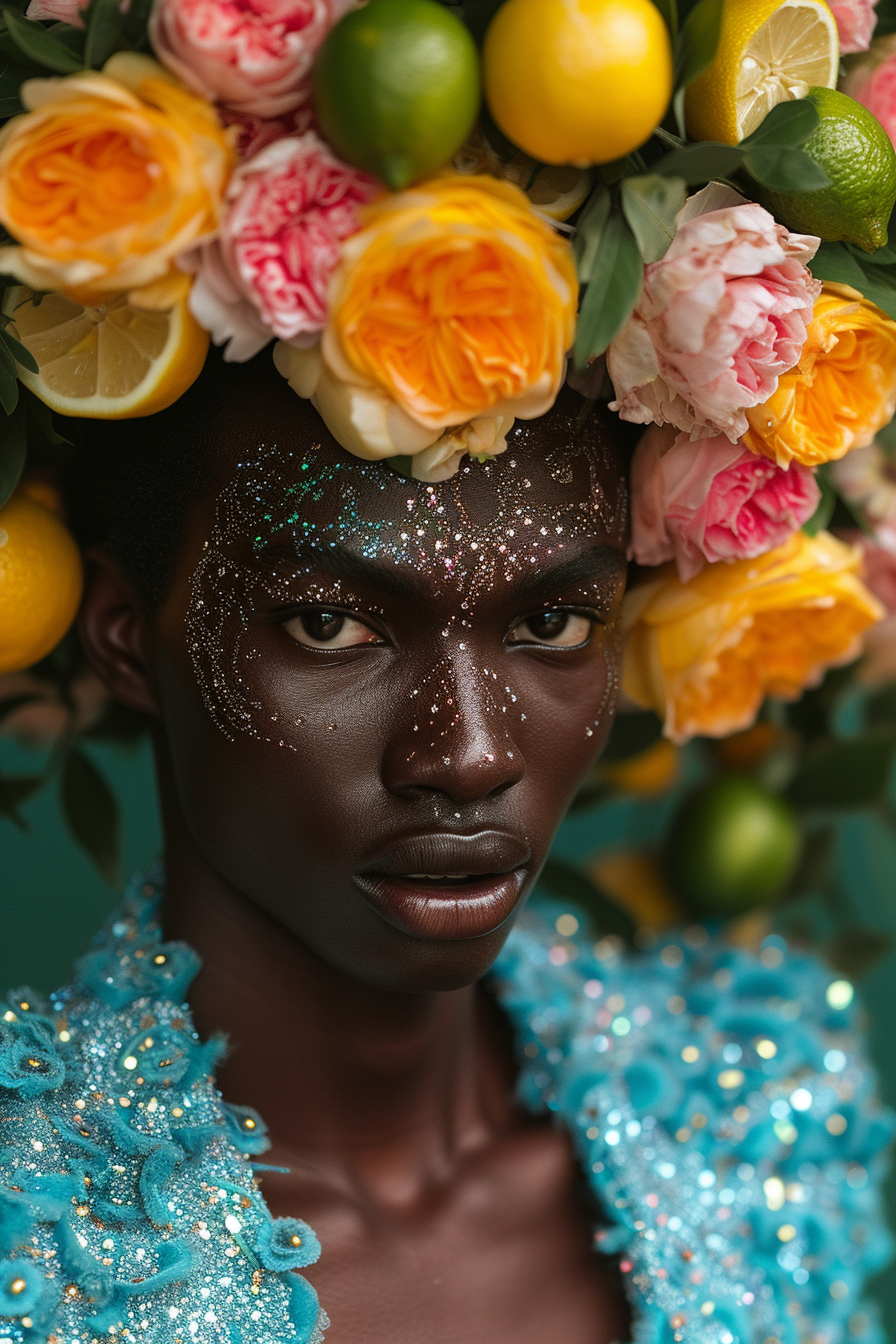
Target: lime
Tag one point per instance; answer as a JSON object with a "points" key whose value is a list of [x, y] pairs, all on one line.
{"points": [[396, 88], [769, 51], [577, 81], [733, 845], [856, 154]]}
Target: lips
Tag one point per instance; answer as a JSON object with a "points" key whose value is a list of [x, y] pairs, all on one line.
{"points": [[446, 886]]}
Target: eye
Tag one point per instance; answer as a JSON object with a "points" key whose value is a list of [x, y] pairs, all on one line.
{"points": [[321, 629], [555, 629]]}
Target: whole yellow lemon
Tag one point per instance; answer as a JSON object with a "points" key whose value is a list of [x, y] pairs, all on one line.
{"points": [[40, 582], [578, 81]]}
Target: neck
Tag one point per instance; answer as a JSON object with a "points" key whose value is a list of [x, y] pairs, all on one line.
{"points": [[404, 1086]]}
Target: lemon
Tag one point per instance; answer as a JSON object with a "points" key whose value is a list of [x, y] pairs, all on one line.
{"points": [[397, 89], [733, 846], [40, 582], [769, 51], [858, 157], [555, 190], [577, 81], [109, 362]]}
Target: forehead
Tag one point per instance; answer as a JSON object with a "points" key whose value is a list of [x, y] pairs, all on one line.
{"points": [[548, 491]]}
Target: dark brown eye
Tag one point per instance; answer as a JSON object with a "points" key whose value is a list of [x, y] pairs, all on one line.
{"points": [[321, 629], [557, 629]]}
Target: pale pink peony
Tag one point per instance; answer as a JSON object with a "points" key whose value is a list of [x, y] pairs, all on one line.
{"points": [[252, 55], [58, 11], [720, 318], [872, 82], [711, 500], [855, 24], [288, 209]]}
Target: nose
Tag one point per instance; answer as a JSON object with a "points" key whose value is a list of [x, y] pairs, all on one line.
{"points": [[450, 737]]}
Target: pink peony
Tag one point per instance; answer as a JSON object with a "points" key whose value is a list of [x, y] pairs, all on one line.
{"points": [[255, 133], [878, 565], [855, 23], [712, 500], [872, 82], [253, 55], [58, 11], [720, 318], [288, 209]]}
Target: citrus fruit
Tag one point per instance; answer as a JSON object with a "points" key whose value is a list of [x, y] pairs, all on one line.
{"points": [[858, 157], [40, 582], [733, 845], [396, 88], [577, 81], [769, 51], [109, 362], [555, 190]]}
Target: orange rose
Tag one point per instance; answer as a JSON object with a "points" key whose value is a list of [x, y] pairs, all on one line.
{"points": [[842, 391], [704, 654], [107, 178], [455, 303]]}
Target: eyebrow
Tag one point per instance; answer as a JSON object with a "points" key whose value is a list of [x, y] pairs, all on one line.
{"points": [[598, 563]]}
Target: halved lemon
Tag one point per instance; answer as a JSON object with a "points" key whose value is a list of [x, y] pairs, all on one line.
{"points": [[556, 190], [111, 361], [769, 51]]}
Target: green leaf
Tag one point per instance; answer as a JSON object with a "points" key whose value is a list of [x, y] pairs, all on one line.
{"points": [[651, 205], [845, 774], [11, 77], [13, 450], [478, 14], [35, 43], [833, 262], [701, 162], [612, 291], [784, 168], [826, 505], [135, 23], [790, 123], [20, 354], [105, 31], [571, 884], [698, 40], [589, 231], [15, 790], [41, 430], [9, 380], [91, 814]]}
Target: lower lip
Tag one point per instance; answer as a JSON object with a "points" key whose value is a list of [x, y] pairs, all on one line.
{"points": [[467, 910]]}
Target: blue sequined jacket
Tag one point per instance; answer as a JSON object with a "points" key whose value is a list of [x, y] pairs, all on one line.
{"points": [[729, 1131]]}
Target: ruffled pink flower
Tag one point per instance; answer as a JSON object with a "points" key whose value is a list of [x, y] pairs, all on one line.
{"points": [[872, 82], [855, 20], [256, 133], [58, 11], [720, 318], [712, 500], [253, 55], [288, 209]]}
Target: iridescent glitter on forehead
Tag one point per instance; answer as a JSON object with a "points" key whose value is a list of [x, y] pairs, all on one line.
{"points": [[429, 528]]}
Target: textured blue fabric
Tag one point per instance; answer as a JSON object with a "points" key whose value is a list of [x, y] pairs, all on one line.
{"points": [[727, 1126]]}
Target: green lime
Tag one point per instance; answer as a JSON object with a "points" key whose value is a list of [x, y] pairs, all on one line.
{"points": [[733, 845], [397, 88], [856, 154]]}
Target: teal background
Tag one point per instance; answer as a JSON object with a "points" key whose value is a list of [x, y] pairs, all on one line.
{"points": [[51, 899]]}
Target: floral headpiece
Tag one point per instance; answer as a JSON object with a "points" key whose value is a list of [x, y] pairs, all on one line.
{"points": [[437, 212]]}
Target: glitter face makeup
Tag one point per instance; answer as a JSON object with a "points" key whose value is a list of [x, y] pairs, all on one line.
{"points": [[380, 695], [263, 513]]}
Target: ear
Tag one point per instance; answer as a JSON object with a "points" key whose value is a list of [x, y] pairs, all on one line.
{"points": [[115, 633]]}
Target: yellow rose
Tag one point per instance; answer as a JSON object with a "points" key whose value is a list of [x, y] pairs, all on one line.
{"points": [[456, 303], [842, 391], [107, 178], [704, 654]]}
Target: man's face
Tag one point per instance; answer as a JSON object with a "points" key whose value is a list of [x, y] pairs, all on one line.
{"points": [[378, 696]]}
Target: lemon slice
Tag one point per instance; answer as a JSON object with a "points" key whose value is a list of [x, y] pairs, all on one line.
{"points": [[111, 361], [555, 190], [768, 53]]}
